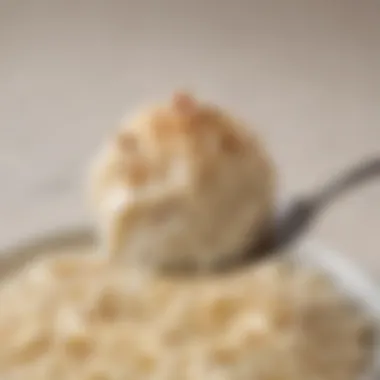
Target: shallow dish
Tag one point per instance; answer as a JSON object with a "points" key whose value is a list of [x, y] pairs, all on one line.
{"points": [[348, 278]]}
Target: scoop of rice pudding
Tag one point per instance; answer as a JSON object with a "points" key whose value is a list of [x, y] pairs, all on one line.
{"points": [[183, 183]]}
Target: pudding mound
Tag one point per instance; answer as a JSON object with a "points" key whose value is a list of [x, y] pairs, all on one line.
{"points": [[80, 317]]}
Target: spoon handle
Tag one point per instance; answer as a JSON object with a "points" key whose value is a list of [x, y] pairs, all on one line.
{"points": [[353, 177], [302, 211]]}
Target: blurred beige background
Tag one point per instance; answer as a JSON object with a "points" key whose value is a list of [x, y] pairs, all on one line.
{"points": [[306, 72]]}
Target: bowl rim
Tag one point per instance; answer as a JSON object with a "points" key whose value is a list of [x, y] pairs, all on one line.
{"points": [[351, 275], [353, 280]]}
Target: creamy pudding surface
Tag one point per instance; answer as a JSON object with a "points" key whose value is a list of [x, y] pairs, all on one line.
{"points": [[78, 316]]}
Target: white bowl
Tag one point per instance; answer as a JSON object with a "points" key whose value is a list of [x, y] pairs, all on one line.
{"points": [[347, 275]]}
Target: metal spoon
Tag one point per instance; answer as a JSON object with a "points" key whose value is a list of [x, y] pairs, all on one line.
{"points": [[302, 211]]}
